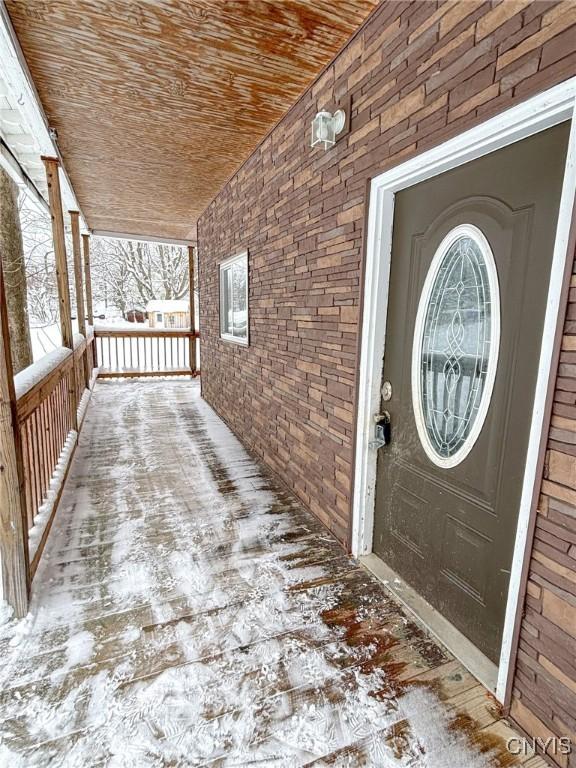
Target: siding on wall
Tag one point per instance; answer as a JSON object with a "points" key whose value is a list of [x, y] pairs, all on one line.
{"points": [[418, 73]]}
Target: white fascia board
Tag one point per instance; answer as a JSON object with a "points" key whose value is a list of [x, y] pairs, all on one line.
{"points": [[14, 170], [18, 79], [141, 238]]}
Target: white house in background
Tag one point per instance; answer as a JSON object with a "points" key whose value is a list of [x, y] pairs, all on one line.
{"points": [[168, 313]]}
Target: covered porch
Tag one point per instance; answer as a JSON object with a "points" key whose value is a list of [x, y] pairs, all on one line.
{"points": [[169, 600], [188, 611]]}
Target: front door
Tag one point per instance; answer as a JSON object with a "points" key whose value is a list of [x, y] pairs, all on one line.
{"points": [[471, 258]]}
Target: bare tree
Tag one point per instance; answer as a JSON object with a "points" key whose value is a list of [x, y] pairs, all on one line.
{"points": [[40, 265], [129, 273], [14, 265], [126, 274]]}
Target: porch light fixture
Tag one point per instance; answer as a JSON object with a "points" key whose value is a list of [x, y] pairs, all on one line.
{"points": [[326, 126]]}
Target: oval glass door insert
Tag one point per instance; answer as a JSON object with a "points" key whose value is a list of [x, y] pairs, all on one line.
{"points": [[456, 344]]}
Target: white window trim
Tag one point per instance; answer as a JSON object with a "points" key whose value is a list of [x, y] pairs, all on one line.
{"points": [[237, 258], [468, 230], [536, 114]]}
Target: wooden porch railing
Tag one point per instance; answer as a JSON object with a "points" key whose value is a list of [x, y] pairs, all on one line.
{"points": [[48, 392], [47, 425], [146, 352]]}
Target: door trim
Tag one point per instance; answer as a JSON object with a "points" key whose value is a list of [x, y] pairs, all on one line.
{"points": [[532, 116]]}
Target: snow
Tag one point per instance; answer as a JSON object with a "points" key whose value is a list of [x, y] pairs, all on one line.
{"points": [[109, 311], [6, 612], [168, 305], [79, 650], [175, 620], [85, 399], [46, 509], [78, 339], [119, 324], [29, 377], [47, 338], [44, 364]]}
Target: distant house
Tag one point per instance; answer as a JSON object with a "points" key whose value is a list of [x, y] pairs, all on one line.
{"points": [[168, 313]]}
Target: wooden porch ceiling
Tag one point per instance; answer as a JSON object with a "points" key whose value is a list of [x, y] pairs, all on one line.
{"points": [[157, 103]]}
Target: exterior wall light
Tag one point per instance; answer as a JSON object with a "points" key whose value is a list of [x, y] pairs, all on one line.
{"points": [[326, 126]]}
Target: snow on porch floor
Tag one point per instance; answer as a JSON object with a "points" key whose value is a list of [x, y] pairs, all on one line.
{"points": [[189, 612]]}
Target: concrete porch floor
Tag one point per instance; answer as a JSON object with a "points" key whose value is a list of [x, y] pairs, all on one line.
{"points": [[189, 612]]}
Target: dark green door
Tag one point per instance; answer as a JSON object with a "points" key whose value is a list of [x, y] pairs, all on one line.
{"points": [[471, 258]]}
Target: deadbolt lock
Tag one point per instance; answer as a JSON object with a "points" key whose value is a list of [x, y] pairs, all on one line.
{"points": [[382, 431]]}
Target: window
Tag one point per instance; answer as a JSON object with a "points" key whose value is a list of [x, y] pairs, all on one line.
{"points": [[456, 346], [234, 299], [158, 317]]}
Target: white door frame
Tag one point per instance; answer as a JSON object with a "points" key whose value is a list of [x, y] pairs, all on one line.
{"points": [[536, 114]]}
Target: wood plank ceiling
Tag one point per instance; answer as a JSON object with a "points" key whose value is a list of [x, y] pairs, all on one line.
{"points": [[157, 103]]}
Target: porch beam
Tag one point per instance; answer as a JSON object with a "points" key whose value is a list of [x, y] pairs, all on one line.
{"points": [[141, 238], [52, 165], [13, 538], [192, 340]]}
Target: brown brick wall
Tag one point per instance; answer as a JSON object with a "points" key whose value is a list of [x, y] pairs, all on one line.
{"points": [[544, 695], [418, 73]]}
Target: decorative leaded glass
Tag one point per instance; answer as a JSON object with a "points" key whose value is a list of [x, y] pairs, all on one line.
{"points": [[457, 348]]}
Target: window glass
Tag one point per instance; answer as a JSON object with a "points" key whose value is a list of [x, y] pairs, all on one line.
{"points": [[240, 306], [234, 299], [456, 345]]}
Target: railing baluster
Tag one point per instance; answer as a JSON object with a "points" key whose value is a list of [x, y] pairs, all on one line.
{"points": [[46, 469], [28, 474]]}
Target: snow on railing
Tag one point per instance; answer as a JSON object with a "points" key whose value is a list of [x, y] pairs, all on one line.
{"points": [[78, 339], [33, 374]]}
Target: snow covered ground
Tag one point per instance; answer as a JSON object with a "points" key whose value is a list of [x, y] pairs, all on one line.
{"points": [[188, 612], [46, 338]]}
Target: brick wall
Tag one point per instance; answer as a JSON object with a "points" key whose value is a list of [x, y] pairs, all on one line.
{"points": [[418, 73], [545, 683]]}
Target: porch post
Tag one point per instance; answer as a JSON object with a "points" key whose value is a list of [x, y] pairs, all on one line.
{"points": [[55, 200], [88, 284], [192, 350], [13, 541], [88, 279], [79, 286]]}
